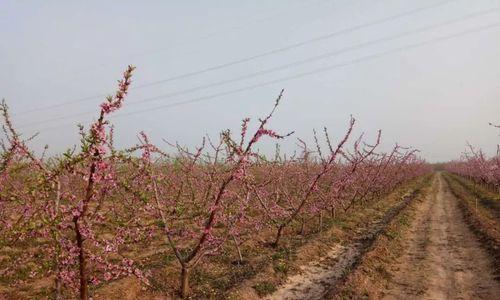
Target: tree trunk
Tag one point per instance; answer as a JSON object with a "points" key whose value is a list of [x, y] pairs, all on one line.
{"points": [[184, 282], [84, 290], [320, 221], [57, 291], [302, 226], [240, 257], [278, 236]]}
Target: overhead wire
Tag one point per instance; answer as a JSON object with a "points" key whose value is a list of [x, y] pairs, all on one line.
{"points": [[293, 64], [303, 74], [251, 58]]}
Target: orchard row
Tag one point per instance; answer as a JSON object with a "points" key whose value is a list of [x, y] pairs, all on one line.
{"points": [[87, 205]]}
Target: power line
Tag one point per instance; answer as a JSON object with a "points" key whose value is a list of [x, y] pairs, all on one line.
{"points": [[321, 70], [319, 57], [304, 74], [281, 13], [296, 45], [296, 63], [253, 57]]}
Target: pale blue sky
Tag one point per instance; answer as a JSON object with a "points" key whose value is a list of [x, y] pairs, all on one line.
{"points": [[435, 96]]}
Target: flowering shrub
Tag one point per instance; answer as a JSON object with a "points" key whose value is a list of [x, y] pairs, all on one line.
{"points": [[476, 166], [86, 209], [66, 203]]}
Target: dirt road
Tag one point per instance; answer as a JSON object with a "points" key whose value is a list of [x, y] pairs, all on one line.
{"points": [[442, 258]]}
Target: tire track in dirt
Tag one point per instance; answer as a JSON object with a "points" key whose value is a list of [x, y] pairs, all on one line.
{"points": [[317, 279], [443, 259]]}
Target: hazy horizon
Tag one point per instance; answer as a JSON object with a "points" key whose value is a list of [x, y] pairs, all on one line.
{"points": [[424, 72]]}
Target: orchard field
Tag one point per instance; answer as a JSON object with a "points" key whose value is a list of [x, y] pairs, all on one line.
{"points": [[338, 219]]}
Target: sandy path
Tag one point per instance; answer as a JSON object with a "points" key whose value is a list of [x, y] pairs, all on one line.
{"points": [[443, 259]]}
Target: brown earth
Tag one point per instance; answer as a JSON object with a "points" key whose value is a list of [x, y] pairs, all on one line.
{"points": [[426, 252], [442, 257], [319, 278]]}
